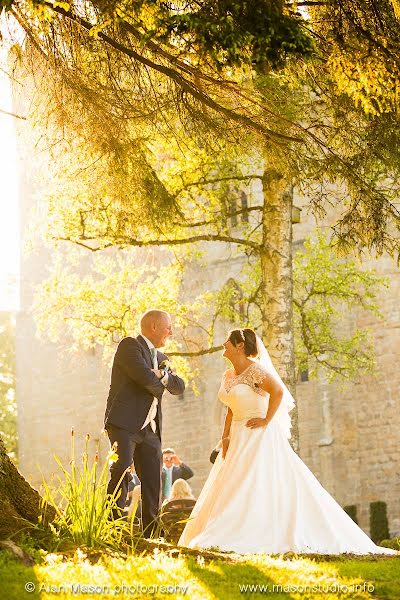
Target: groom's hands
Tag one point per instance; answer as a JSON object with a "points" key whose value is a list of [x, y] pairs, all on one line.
{"points": [[170, 380], [158, 373]]}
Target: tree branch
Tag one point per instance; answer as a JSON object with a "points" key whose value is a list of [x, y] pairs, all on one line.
{"points": [[141, 243], [205, 181], [307, 3], [229, 215], [196, 353]]}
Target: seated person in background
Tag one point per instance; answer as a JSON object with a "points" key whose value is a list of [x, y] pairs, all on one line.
{"points": [[134, 482], [135, 506], [173, 469], [180, 490], [177, 509]]}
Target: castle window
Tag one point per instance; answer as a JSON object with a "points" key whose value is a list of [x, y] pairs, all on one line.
{"points": [[304, 375]]}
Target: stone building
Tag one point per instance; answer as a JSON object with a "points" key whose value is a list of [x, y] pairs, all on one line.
{"points": [[350, 440]]}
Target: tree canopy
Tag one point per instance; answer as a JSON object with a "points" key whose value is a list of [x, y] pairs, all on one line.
{"points": [[310, 88]]}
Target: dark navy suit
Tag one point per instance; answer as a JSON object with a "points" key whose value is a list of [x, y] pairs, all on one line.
{"points": [[133, 387]]}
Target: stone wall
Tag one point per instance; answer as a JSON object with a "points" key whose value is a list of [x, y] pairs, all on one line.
{"points": [[350, 437]]}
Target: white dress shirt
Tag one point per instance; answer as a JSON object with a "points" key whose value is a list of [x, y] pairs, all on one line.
{"points": [[151, 415]]}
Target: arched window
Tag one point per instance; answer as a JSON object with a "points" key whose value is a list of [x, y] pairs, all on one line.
{"points": [[238, 202]]}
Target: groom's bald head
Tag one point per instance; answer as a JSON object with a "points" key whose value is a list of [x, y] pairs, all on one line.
{"points": [[156, 325], [152, 316]]}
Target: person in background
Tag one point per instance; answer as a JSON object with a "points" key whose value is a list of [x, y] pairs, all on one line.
{"points": [[176, 510], [180, 490], [133, 483], [173, 469], [135, 505]]}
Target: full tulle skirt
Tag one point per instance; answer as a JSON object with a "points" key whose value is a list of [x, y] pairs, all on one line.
{"points": [[262, 498]]}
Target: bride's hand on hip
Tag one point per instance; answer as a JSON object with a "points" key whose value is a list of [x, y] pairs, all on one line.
{"points": [[256, 422]]}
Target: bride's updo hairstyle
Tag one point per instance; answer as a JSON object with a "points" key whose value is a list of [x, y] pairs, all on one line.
{"points": [[246, 336]]}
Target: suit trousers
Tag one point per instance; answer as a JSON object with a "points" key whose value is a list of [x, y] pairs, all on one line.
{"points": [[144, 450]]}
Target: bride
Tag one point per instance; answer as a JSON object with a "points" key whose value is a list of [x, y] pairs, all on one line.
{"points": [[260, 496]]}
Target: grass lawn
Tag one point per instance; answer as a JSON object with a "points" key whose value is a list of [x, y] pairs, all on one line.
{"points": [[163, 574]]}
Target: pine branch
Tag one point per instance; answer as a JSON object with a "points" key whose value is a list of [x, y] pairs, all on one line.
{"points": [[307, 3], [10, 114], [184, 84]]}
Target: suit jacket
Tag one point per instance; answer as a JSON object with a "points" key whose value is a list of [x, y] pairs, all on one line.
{"points": [[134, 385], [178, 472]]}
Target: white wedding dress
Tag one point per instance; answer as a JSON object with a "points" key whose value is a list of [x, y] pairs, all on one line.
{"points": [[262, 498]]}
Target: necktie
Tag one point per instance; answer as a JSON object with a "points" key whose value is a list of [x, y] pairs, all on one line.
{"points": [[153, 353]]}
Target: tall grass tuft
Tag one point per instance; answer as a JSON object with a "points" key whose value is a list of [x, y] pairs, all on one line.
{"points": [[83, 507]]}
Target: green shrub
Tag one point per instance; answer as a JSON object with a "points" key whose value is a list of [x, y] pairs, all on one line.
{"points": [[83, 507], [352, 512], [378, 521], [393, 543]]}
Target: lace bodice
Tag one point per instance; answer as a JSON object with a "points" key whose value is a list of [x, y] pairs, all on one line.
{"points": [[252, 376], [242, 393]]}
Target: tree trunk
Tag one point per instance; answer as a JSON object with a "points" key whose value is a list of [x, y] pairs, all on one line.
{"points": [[19, 502], [277, 279]]}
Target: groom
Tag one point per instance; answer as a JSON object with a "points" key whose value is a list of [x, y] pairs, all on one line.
{"points": [[133, 413]]}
